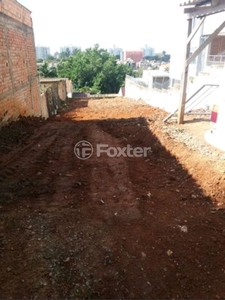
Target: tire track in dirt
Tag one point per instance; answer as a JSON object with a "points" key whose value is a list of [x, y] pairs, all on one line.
{"points": [[59, 240], [110, 181]]}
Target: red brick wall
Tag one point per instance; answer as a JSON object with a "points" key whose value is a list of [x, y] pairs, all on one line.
{"points": [[136, 56], [19, 86], [16, 11], [217, 45]]}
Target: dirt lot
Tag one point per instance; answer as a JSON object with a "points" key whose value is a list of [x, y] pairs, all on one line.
{"points": [[109, 228]]}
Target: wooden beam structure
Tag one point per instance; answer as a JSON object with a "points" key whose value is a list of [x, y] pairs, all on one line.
{"points": [[183, 94], [192, 35], [205, 44], [201, 10]]}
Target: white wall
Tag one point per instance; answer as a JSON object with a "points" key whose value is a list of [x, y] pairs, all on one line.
{"points": [[167, 100]]}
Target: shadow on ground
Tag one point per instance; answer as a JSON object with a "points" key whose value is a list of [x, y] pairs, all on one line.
{"points": [[106, 227]]}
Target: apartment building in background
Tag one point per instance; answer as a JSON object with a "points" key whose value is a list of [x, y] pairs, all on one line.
{"points": [[148, 51], [42, 52], [118, 52]]}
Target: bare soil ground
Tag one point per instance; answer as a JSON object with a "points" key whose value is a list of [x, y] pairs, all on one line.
{"points": [[109, 228]]}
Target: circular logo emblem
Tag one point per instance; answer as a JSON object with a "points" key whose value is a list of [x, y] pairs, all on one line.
{"points": [[83, 150]]}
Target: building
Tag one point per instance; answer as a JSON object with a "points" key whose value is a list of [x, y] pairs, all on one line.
{"points": [[135, 56], [212, 55], [148, 51], [156, 79], [42, 52], [19, 86], [56, 55], [215, 52], [70, 47], [204, 11], [118, 52]]}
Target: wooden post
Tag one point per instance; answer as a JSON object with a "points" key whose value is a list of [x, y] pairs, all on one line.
{"points": [[184, 80], [205, 43]]}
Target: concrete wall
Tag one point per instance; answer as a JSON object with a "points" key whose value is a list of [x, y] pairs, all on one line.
{"points": [[44, 106], [54, 90], [167, 100], [69, 88], [19, 89]]}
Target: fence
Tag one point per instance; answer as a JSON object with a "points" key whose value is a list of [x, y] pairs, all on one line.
{"points": [[161, 86]]}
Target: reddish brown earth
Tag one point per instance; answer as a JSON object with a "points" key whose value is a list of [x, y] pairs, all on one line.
{"points": [[115, 228]]}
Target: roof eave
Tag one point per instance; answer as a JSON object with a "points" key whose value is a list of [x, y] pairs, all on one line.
{"points": [[194, 2]]}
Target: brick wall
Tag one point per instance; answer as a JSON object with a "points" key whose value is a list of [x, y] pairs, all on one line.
{"points": [[19, 84]]}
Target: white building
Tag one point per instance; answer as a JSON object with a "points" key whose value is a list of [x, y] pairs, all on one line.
{"points": [[148, 51], [117, 52], [42, 52], [214, 54]]}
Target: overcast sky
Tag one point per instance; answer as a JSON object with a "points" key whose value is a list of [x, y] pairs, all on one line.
{"points": [[124, 23]]}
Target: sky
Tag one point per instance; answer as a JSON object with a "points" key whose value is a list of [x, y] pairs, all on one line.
{"points": [[127, 24]]}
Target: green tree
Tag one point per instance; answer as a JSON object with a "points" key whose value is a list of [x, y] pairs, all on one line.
{"points": [[165, 57], [75, 51], [46, 71], [65, 54], [94, 70], [50, 57]]}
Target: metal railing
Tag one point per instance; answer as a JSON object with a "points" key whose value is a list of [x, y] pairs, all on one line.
{"points": [[160, 86], [199, 96], [216, 58]]}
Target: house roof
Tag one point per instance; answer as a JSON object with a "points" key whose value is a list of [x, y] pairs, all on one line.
{"points": [[193, 2], [202, 8]]}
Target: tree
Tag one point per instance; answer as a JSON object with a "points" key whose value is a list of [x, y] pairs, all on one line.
{"points": [[65, 54], [50, 57], [159, 57], [75, 51], [94, 70], [165, 57], [48, 72]]}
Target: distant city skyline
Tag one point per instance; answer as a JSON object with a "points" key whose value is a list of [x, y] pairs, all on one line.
{"points": [[84, 23], [115, 50]]}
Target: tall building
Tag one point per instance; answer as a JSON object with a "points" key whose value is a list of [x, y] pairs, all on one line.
{"points": [[70, 47], [135, 56], [42, 52], [117, 52], [148, 51]]}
